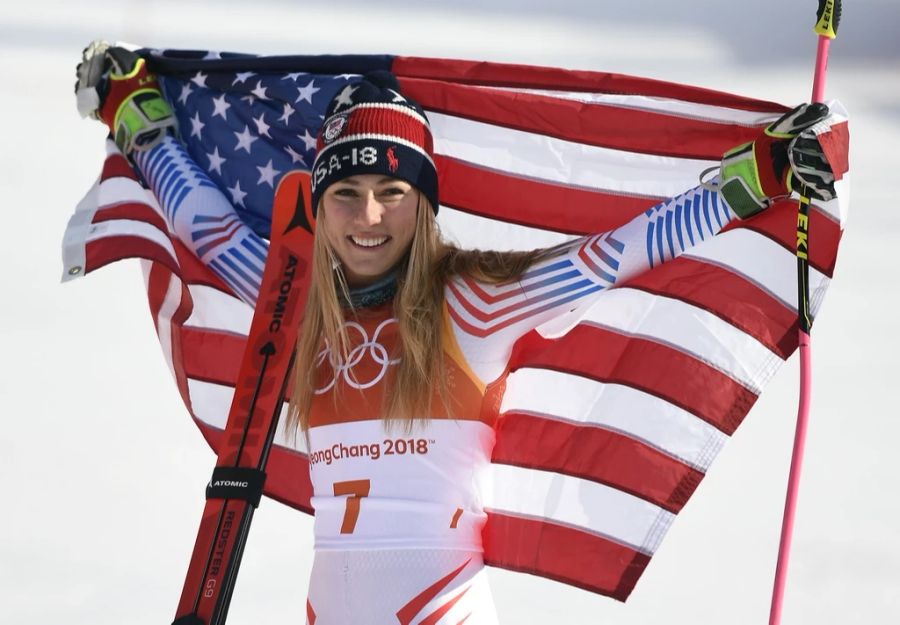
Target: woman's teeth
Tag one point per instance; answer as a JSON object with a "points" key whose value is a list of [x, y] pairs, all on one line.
{"points": [[368, 241]]}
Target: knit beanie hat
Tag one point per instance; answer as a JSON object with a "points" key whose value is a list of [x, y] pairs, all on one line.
{"points": [[370, 128]]}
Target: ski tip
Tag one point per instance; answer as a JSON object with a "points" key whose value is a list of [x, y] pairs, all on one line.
{"points": [[292, 206]]}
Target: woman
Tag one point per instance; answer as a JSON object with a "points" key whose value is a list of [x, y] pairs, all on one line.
{"points": [[400, 375], [401, 364]]}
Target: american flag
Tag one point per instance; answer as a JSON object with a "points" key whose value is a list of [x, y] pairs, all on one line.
{"points": [[607, 426]]}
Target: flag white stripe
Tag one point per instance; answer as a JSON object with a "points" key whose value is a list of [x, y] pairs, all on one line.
{"points": [[835, 209], [80, 223], [559, 161], [170, 303], [121, 190], [476, 232], [571, 501], [628, 411], [130, 227], [680, 325], [758, 259], [210, 402], [216, 310]]}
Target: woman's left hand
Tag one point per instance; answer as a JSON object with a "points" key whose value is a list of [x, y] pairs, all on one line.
{"points": [[787, 156]]}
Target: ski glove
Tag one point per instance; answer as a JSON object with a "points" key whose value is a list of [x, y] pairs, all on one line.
{"points": [[787, 156], [115, 87]]}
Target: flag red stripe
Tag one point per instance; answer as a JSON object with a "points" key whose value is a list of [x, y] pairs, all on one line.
{"points": [[562, 553], [596, 454], [212, 355], [608, 356], [178, 352], [532, 77], [727, 295], [117, 166], [158, 285], [600, 125], [779, 223], [137, 211], [534, 203], [101, 252]]}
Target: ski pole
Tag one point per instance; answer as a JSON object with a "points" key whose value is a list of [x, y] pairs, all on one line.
{"points": [[828, 17]]}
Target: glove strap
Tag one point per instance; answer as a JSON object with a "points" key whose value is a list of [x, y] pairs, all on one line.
{"points": [[135, 111]]}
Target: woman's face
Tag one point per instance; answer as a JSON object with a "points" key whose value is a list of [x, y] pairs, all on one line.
{"points": [[370, 221]]}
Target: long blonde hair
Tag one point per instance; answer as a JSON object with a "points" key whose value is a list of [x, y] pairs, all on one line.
{"points": [[422, 276]]}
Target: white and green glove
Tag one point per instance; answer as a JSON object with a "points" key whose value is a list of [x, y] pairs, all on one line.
{"points": [[115, 87], [786, 157]]}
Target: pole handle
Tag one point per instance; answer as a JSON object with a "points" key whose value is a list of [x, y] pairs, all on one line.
{"points": [[828, 18]]}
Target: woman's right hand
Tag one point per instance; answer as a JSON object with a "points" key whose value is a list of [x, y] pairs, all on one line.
{"points": [[114, 86], [787, 156]]}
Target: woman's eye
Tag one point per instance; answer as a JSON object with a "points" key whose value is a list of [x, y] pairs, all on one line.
{"points": [[394, 191], [345, 192]]}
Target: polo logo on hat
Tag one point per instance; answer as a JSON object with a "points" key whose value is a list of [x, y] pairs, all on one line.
{"points": [[334, 128], [393, 161]]}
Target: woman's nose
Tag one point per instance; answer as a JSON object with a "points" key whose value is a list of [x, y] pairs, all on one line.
{"points": [[372, 210]]}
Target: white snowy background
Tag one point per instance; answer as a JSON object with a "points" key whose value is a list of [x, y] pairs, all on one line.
{"points": [[102, 472]]}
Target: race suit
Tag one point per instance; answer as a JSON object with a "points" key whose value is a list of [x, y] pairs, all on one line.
{"points": [[399, 510]]}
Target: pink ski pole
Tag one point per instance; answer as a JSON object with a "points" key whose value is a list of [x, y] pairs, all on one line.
{"points": [[828, 17]]}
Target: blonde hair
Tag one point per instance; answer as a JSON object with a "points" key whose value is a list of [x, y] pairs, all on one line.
{"points": [[422, 276]]}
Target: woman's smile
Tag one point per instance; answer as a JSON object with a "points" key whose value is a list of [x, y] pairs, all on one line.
{"points": [[369, 242]]}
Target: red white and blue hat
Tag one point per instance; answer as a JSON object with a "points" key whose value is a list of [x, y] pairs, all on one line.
{"points": [[371, 128]]}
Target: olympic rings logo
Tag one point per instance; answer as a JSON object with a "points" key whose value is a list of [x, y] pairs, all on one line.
{"points": [[366, 347]]}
